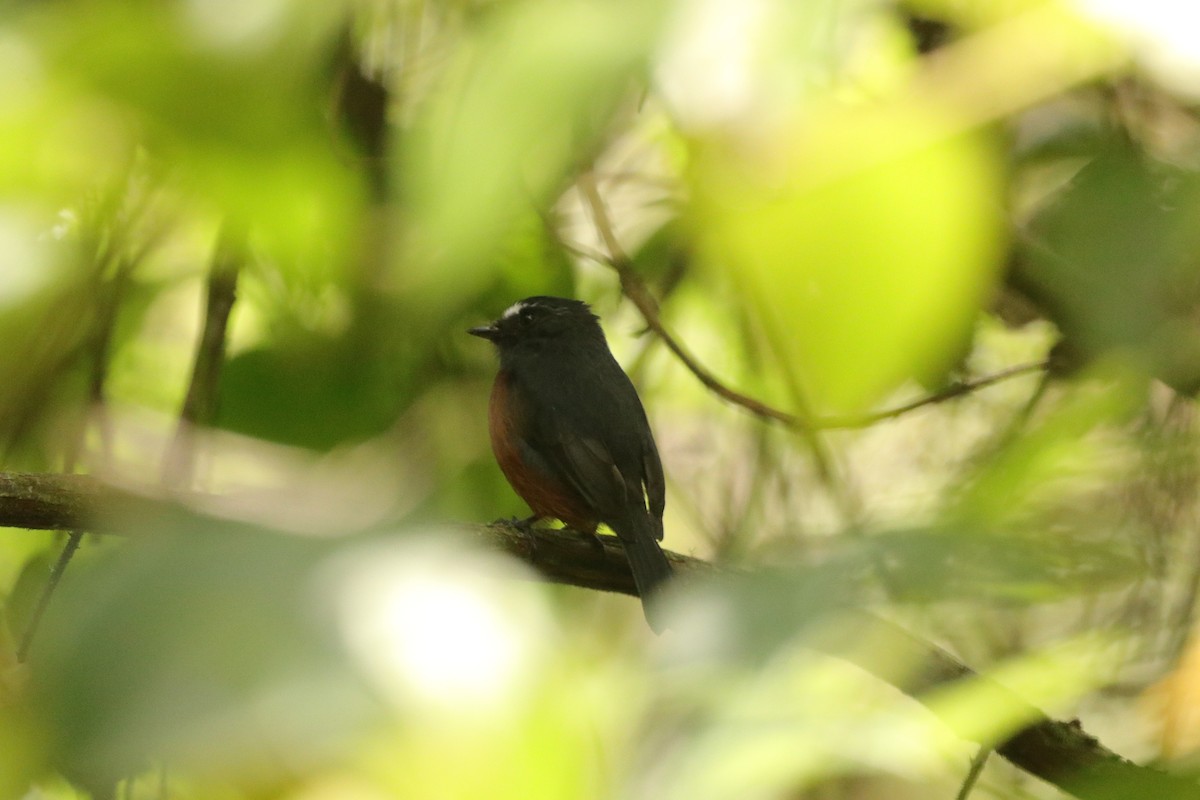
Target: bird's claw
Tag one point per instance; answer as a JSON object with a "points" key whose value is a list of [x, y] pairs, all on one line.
{"points": [[525, 526]]}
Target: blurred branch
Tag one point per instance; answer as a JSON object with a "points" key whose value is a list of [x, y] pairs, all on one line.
{"points": [[110, 299], [200, 404], [1058, 752], [360, 101], [976, 769], [74, 539], [110, 291]]}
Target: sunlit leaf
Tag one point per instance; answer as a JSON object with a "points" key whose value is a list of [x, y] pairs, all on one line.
{"points": [[233, 113], [22, 745], [865, 240]]}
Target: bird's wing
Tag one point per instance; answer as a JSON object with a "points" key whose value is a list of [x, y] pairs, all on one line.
{"points": [[655, 483], [590, 469], [592, 432]]}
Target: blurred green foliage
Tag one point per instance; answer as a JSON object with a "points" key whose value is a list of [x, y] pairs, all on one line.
{"points": [[838, 207], [866, 256]]}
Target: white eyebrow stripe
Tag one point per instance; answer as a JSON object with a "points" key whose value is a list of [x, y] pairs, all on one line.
{"points": [[513, 310]]}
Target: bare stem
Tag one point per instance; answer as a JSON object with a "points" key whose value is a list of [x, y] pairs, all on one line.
{"points": [[200, 404]]}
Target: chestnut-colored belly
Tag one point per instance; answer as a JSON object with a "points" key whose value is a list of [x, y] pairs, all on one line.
{"points": [[546, 495]]}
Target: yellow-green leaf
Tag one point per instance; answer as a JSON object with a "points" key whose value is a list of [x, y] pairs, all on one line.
{"points": [[865, 241]]}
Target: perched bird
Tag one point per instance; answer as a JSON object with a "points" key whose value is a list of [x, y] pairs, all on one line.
{"points": [[570, 433]]}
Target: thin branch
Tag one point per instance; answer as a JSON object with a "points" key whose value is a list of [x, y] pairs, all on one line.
{"points": [[633, 288], [637, 292], [977, 765], [74, 539], [950, 392], [1058, 752]]}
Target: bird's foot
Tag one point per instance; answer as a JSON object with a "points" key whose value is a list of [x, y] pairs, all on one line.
{"points": [[524, 526]]}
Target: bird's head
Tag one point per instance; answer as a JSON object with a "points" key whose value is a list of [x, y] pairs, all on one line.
{"points": [[541, 319]]}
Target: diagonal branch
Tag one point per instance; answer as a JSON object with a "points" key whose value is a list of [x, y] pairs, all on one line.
{"points": [[635, 289], [1061, 753], [200, 403], [639, 294], [953, 390]]}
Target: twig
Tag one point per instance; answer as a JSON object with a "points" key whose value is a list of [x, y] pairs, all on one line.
{"points": [[949, 393], [972, 777], [74, 538]]}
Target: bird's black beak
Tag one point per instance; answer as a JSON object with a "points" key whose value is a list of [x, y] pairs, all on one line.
{"points": [[488, 332]]}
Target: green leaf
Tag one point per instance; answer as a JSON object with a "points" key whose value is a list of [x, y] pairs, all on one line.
{"points": [[1112, 262], [235, 117], [270, 392], [200, 644], [865, 241], [526, 98]]}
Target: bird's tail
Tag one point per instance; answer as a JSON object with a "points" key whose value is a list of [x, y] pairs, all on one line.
{"points": [[650, 567]]}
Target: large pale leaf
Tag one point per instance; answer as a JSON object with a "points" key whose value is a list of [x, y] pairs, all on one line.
{"points": [[865, 240]]}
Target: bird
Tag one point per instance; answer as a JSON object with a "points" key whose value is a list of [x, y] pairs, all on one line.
{"points": [[570, 434]]}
